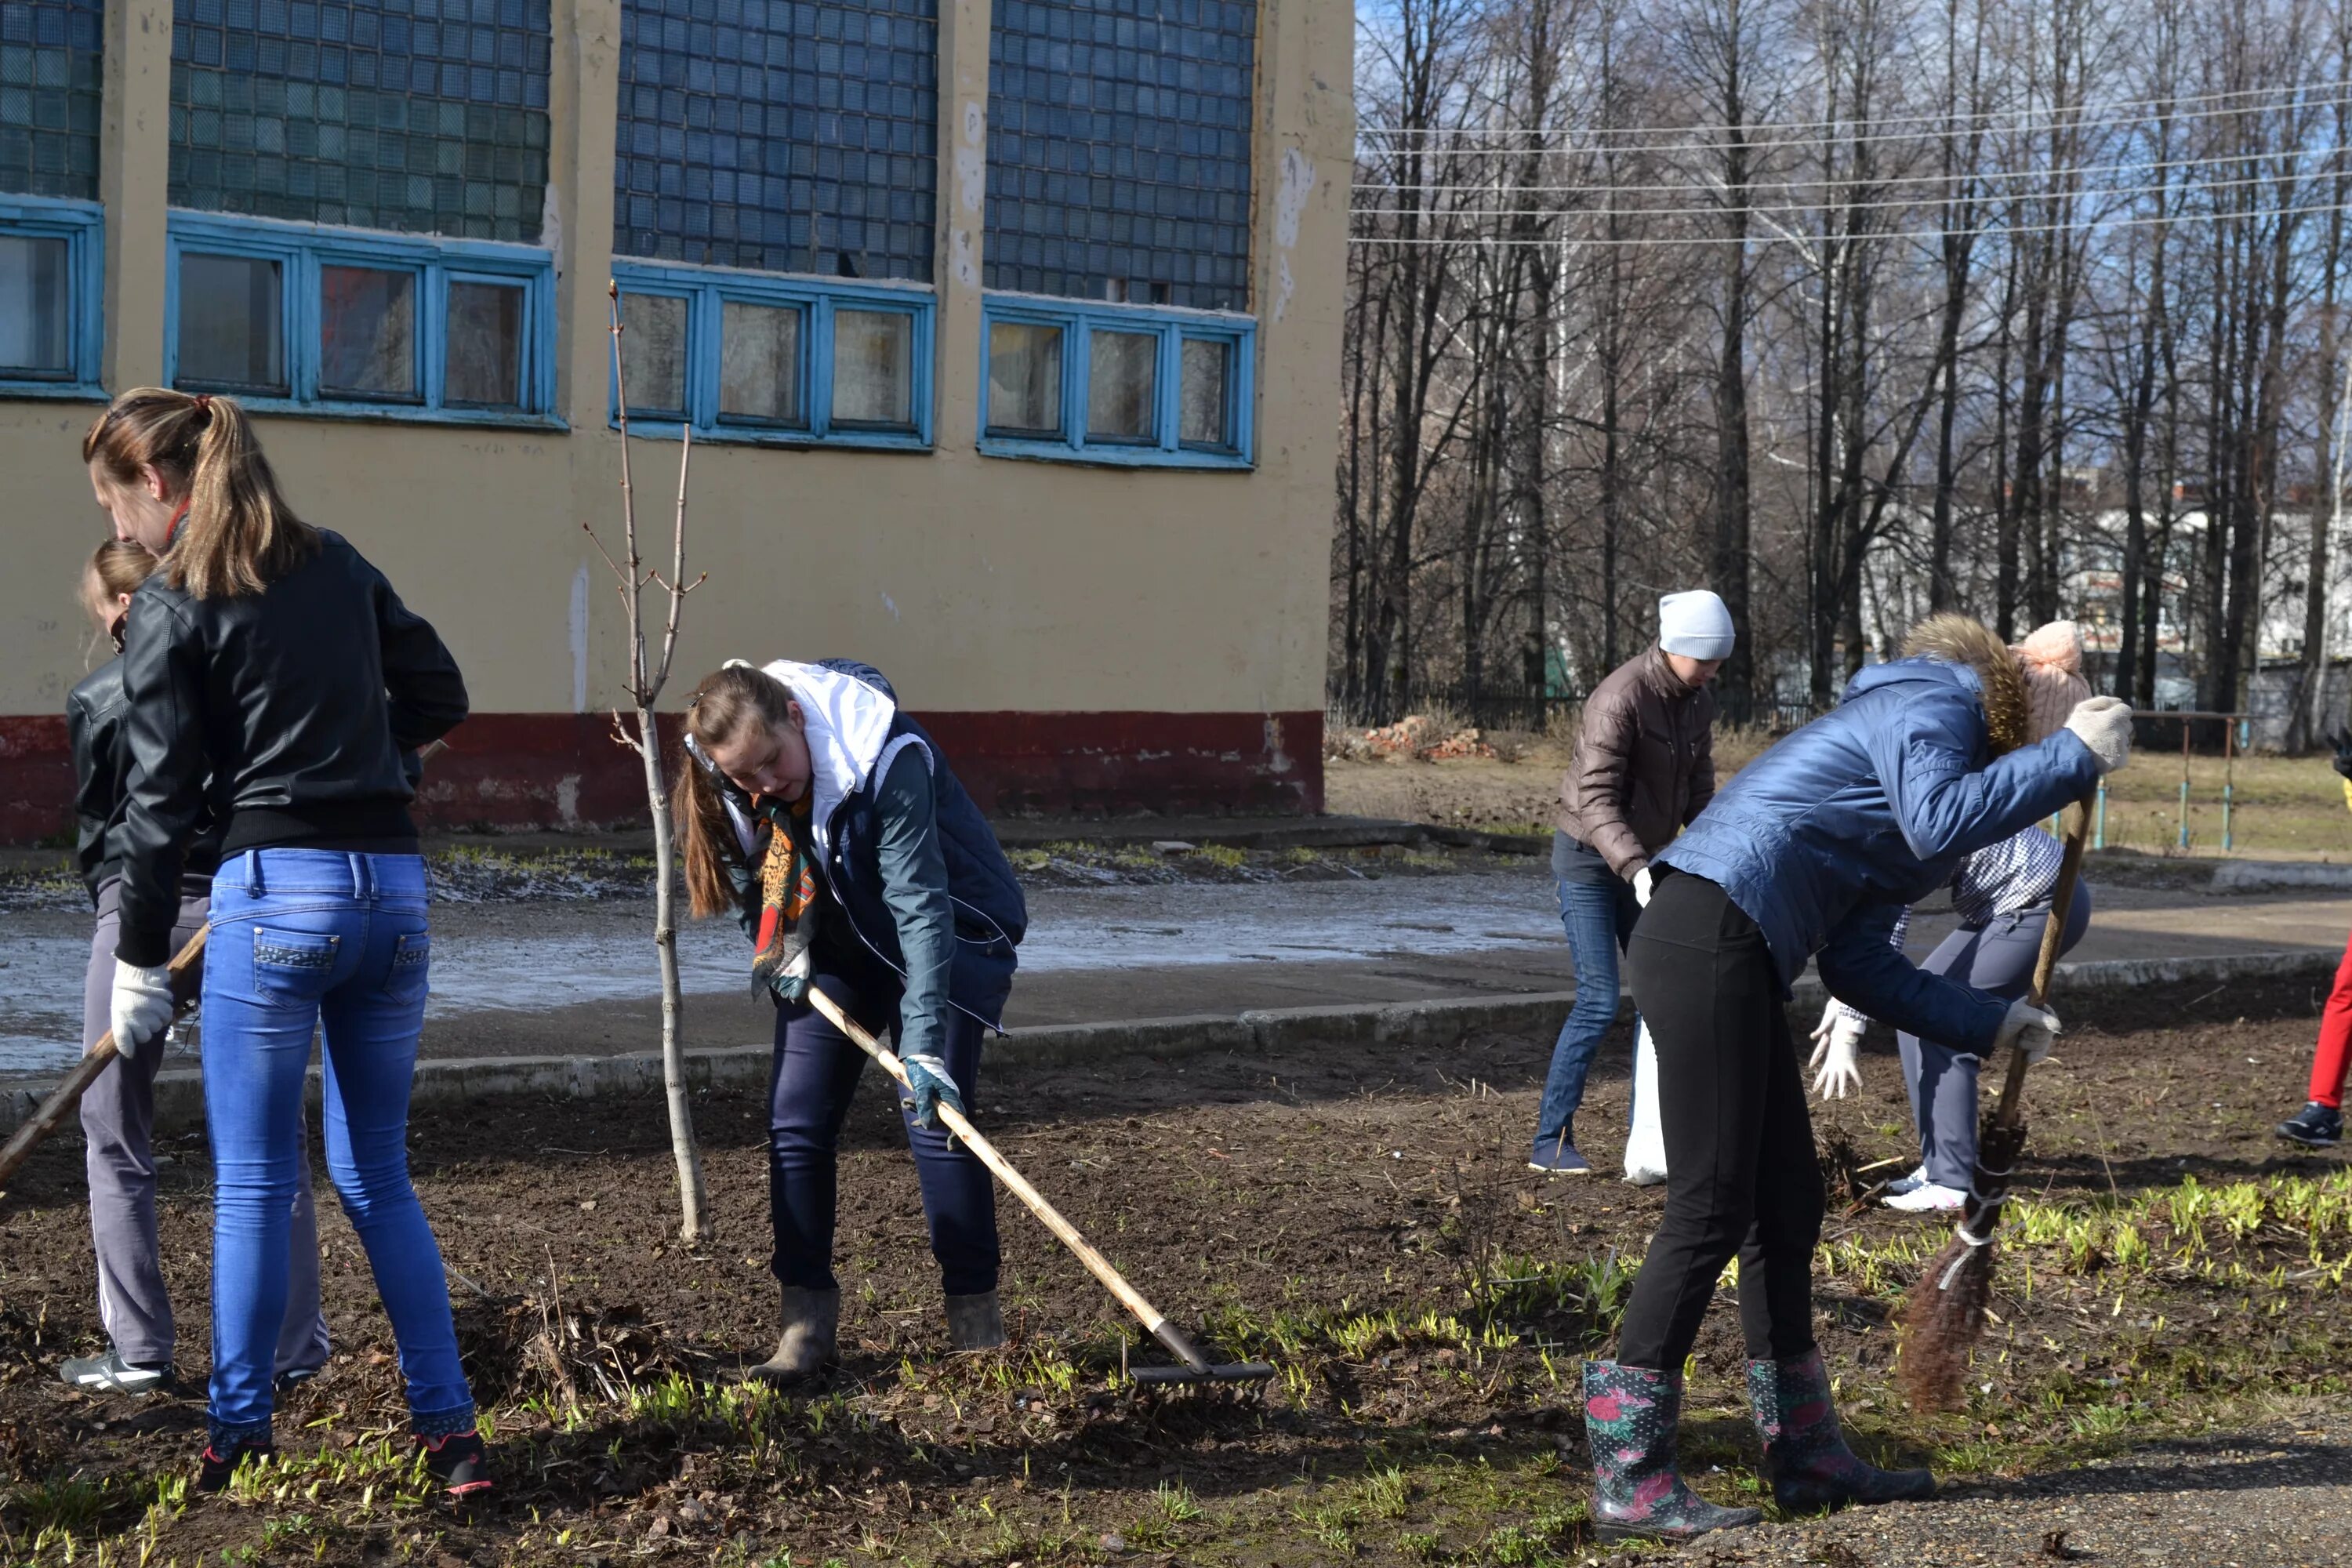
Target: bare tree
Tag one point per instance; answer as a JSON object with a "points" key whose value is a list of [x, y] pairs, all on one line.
{"points": [[648, 673]]}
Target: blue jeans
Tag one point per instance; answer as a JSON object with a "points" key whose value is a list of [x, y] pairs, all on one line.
{"points": [[816, 1072], [1598, 913], [323, 939]]}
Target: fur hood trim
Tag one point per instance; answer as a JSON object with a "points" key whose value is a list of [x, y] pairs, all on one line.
{"points": [[1958, 640]]}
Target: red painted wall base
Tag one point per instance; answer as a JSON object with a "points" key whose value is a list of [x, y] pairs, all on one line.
{"points": [[515, 771]]}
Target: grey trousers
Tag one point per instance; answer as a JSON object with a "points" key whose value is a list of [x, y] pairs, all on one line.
{"points": [[117, 1119], [1999, 958]]}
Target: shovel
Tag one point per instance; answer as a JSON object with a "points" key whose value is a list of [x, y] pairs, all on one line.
{"points": [[187, 969], [1197, 1367]]}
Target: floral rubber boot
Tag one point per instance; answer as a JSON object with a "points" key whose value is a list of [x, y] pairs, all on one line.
{"points": [[1630, 1416], [1805, 1452]]}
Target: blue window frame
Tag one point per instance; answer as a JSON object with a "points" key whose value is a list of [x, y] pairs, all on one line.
{"points": [[52, 286], [1076, 381], [775, 358], [300, 318]]}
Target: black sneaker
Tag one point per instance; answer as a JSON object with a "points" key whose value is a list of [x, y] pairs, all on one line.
{"points": [[221, 1461], [109, 1373], [460, 1461], [294, 1378], [2315, 1126]]}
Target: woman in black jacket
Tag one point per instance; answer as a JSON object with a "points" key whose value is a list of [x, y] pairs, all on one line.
{"points": [[118, 1113], [276, 684]]}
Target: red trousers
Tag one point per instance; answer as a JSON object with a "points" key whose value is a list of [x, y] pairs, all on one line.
{"points": [[2334, 1039]]}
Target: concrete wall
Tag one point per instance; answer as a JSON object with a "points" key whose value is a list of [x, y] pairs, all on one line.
{"points": [[1081, 637]]}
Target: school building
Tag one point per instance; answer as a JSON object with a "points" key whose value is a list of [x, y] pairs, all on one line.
{"points": [[1006, 331]]}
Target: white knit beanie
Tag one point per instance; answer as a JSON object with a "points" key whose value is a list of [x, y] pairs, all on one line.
{"points": [[1695, 624]]}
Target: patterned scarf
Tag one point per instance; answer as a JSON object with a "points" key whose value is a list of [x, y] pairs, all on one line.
{"points": [[781, 958]]}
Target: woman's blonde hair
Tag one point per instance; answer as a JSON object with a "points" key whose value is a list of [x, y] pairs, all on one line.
{"points": [[725, 703], [115, 568], [239, 535]]}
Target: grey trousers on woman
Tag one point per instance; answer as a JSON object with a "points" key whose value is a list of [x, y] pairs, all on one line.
{"points": [[117, 1119], [1999, 958]]}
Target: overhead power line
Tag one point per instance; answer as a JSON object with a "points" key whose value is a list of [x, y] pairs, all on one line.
{"points": [[1674, 186], [1753, 209], [1750, 139], [2108, 110], [1769, 237]]}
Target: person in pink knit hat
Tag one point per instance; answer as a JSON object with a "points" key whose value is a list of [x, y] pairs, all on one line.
{"points": [[2002, 894]]}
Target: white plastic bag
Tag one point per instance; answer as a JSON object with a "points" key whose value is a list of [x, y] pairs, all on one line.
{"points": [[1646, 1146]]}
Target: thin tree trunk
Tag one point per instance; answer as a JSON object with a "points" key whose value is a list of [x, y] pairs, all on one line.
{"points": [[683, 1146]]}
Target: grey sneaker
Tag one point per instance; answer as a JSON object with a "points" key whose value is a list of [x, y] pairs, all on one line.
{"points": [[109, 1373]]}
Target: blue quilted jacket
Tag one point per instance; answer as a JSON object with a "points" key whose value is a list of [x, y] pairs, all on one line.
{"points": [[1823, 839]]}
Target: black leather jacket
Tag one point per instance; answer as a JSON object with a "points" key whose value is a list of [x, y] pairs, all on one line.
{"points": [[101, 758], [282, 714]]}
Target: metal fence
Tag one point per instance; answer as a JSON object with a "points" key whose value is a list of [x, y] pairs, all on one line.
{"points": [[1522, 714]]}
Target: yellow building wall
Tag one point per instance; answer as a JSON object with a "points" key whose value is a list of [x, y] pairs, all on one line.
{"points": [[980, 585]]}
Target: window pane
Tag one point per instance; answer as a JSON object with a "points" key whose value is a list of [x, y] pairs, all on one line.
{"points": [[1024, 378], [652, 352], [484, 346], [1203, 393], [34, 328], [759, 363], [367, 334], [1120, 384], [231, 324], [873, 368]]}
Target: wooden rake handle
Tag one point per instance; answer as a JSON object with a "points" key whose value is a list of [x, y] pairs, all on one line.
{"points": [[2045, 967], [1160, 1328], [63, 1098]]}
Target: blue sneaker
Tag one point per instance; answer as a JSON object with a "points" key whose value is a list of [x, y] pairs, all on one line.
{"points": [[1558, 1157]]}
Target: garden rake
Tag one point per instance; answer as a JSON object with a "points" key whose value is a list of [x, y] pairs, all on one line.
{"points": [[188, 970], [1196, 1367], [1945, 1316]]}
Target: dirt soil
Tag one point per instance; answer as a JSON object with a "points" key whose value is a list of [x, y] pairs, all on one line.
{"points": [[2164, 1385]]}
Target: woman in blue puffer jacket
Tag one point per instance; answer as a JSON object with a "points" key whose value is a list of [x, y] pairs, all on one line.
{"points": [[1812, 850]]}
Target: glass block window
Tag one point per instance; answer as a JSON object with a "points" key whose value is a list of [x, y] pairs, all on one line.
{"points": [[50, 94], [423, 116], [779, 135], [1118, 149]]}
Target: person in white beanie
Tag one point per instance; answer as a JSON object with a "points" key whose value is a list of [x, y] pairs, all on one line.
{"points": [[1643, 766]]}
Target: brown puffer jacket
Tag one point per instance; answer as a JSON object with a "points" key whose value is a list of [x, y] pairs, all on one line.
{"points": [[1644, 765]]}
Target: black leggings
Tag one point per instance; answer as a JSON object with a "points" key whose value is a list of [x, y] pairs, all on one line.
{"points": [[1740, 1170]]}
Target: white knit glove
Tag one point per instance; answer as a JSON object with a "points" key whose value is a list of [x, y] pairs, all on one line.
{"points": [[1837, 1040], [2031, 1029], [142, 1004], [1642, 887], [2104, 724]]}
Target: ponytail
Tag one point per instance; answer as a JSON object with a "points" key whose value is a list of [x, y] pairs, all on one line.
{"points": [[706, 839], [724, 704], [239, 535]]}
